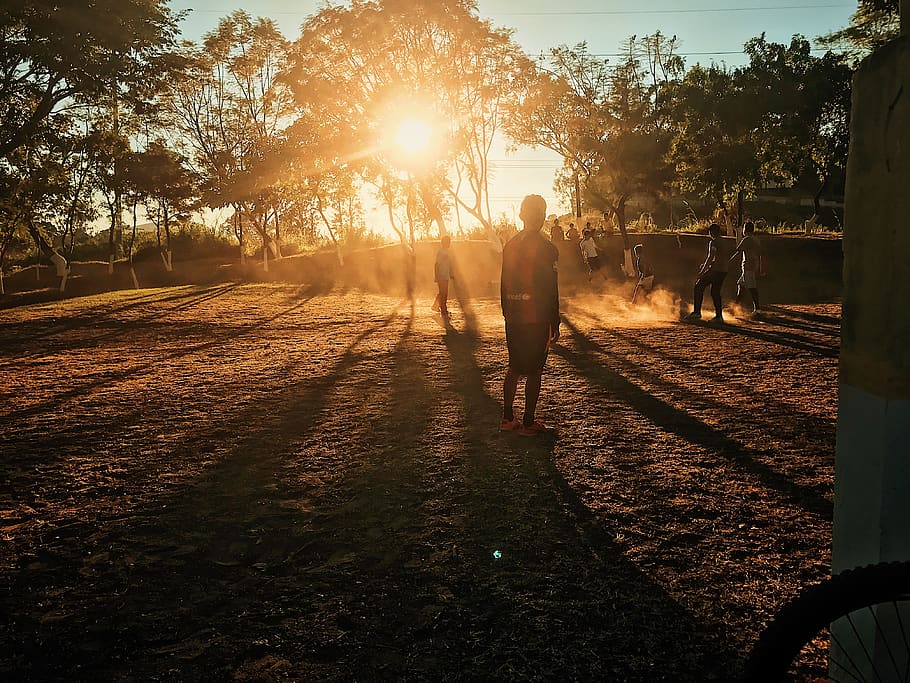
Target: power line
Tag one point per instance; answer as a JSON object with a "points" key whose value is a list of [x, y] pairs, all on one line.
{"points": [[705, 10], [542, 55], [576, 13]]}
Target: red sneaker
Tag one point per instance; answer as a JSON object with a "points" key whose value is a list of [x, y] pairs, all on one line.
{"points": [[509, 425], [535, 429]]}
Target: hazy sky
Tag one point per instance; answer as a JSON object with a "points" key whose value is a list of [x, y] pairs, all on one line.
{"points": [[708, 30]]}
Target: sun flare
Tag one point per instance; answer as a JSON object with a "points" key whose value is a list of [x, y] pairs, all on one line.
{"points": [[413, 136]]}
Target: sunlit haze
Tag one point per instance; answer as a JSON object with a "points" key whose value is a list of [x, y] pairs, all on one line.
{"points": [[708, 31]]}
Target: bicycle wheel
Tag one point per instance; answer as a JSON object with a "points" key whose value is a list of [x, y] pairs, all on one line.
{"points": [[854, 626]]}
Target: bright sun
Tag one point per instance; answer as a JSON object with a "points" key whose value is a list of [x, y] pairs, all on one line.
{"points": [[413, 136]]}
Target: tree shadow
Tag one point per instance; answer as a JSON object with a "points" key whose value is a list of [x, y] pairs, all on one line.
{"points": [[791, 340], [387, 569], [809, 421], [150, 367], [805, 315], [162, 585]]}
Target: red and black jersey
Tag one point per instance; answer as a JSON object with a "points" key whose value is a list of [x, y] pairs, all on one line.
{"points": [[529, 282]]}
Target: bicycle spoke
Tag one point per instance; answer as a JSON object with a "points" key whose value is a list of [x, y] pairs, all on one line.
{"points": [[862, 644], [879, 629], [835, 642]]}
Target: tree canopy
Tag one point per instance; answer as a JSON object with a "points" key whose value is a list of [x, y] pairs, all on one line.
{"points": [[401, 100]]}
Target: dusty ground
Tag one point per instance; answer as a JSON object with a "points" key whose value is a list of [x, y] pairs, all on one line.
{"points": [[262, 482]]}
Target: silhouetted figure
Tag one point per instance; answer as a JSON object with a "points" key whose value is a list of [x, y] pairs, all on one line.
{"points": [[530, 306], [645, 272], [442, 274], [752, 265], [591, 256], [556, 232], [712, 272]]}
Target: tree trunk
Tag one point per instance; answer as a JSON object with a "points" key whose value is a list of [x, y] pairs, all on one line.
{"points": [[111, 249], [276, 252], [40, 242], [739, 212], [168, 255], [331, 231], [432, 205], [2, 261], [55, 257], [817, 198], [133, 242], [577, 196], [238, 229], [628, 267]]}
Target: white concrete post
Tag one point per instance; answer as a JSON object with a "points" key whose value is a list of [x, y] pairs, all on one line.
{"points": [[872, 465], [872, 474]]}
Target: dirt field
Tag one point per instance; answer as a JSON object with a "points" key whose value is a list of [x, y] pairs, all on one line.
{"points": [[267, 482]]}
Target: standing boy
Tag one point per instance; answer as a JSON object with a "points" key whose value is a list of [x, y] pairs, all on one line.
{"points": [[712, 272], [443, 273], [752, 265], [530, 306]]}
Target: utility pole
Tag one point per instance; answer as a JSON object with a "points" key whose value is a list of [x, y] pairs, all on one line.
{"points": [[577, 196]]}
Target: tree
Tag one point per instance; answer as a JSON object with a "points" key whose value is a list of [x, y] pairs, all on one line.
{"points": [[713, 148], [630, 157], [109, 149], [60, 52], [874, 23], [34, 191], [564, 109], [365, 68], [803, 104], [158, 177], [232, 112], [60, 57]]}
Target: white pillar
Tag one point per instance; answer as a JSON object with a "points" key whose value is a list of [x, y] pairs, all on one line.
{"points": [[872, 471], [872, 465]]}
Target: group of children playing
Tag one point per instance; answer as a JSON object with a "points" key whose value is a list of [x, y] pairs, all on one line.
{"points": [[711, 274]]}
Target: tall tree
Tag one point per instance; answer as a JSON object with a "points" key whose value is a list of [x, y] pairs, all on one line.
{"points": [[368, 67], [564, 108], [630, 158], [874, 23], [54, 52], [803, 107], [232, 112], [159, 177], [713, 149]]}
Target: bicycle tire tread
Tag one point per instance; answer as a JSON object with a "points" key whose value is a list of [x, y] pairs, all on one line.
{"points": [[817, 606]]}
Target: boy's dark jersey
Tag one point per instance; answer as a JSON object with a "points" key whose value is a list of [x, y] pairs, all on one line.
{"points": [[529, 284]]}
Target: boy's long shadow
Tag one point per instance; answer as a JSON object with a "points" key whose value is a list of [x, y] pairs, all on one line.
{"points": [[684, 425], [809, 421], [623, 612], [793, 341]]}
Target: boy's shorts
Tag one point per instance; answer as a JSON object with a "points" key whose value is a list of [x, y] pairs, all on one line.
{"points": [[528, 344]]}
